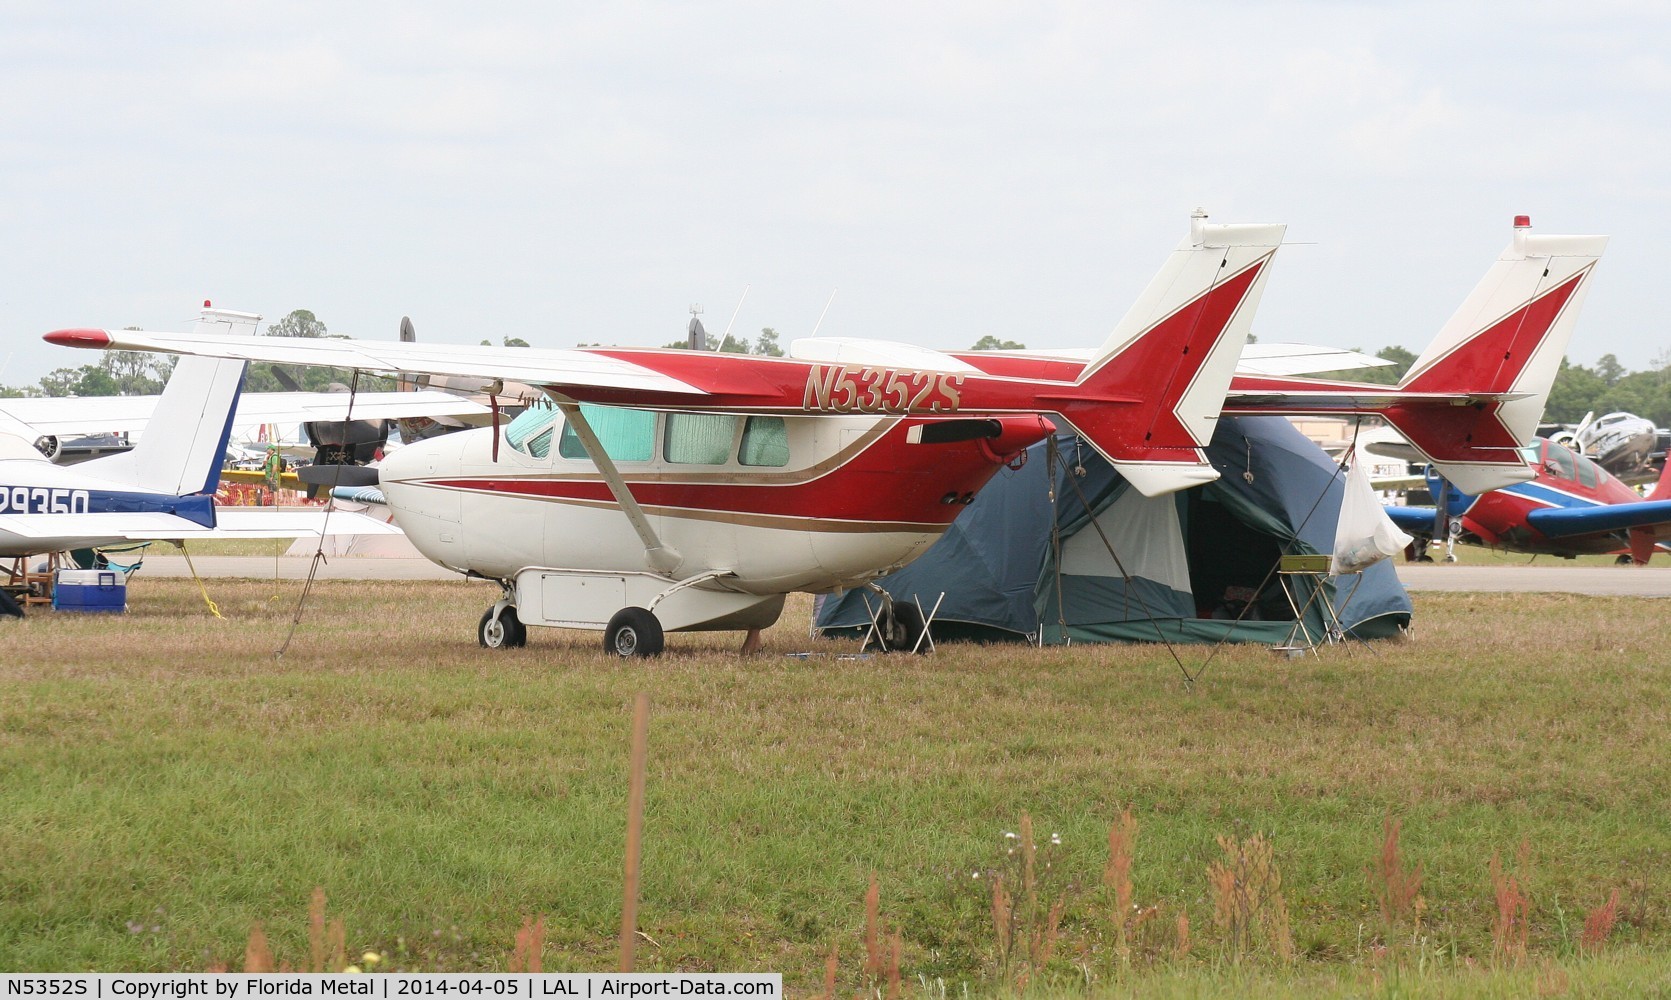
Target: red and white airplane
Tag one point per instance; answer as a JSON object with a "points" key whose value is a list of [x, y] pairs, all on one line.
{"points": [[668, 490]]}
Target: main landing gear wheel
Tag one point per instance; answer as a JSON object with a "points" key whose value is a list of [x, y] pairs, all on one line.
{"points": [[902, 626], [633, 632], [505, 631]]}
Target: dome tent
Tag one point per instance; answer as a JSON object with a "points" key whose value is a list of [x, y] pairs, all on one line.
{"points": [[1196, 559]]}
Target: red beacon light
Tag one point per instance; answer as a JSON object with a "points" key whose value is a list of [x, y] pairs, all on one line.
{"points": [[206, 304], [1523, 222]]}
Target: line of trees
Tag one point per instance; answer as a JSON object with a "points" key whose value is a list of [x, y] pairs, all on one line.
{"points": [[765, 345], [139, 373], [1606, 388]]}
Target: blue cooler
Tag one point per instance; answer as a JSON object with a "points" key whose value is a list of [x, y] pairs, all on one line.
{"points": [[90, 590]]}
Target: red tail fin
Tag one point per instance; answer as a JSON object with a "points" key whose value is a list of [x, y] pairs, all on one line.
{"points": [[1476, 394], [1662, 489], [1150, 398]]}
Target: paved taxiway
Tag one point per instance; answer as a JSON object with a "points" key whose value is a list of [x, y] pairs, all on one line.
{"points": [[1600, 580]]}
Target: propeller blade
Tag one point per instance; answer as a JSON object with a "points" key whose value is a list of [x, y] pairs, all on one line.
{"points": [[337, 475]]}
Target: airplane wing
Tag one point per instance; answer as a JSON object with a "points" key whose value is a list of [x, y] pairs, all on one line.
{"points": [[1412, 520], [1279, 360], [71, 415], [232, 522], [559, 368], [1565, 522], [1413, 482], [534, 366], [255, 477]]}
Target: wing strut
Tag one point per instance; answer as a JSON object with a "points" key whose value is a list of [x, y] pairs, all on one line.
{"points": [[661, 558]]}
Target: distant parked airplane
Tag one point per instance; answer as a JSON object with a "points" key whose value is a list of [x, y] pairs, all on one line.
{"points": [[1571, 507], [163, 488]]}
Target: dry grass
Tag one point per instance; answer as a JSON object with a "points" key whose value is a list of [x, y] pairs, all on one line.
{"points": [[168, 784], [1514, 908], [1397, 887]]}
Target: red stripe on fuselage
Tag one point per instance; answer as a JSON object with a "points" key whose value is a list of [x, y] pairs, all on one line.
{"points": [[890, 481]]}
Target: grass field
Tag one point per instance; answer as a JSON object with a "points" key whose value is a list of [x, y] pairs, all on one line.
{"points": [[166, 782]]}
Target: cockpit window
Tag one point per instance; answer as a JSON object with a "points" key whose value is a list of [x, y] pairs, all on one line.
{"points": [[626, 435], [765, 442], [699, 438], [1589, 473], [530, 432], [1557, 460]]}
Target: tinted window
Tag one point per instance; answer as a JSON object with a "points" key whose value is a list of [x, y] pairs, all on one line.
{"points": [[530, 432], [1557, 460], [699, 438], [1589, 474], [765, 442], [626, 435]]}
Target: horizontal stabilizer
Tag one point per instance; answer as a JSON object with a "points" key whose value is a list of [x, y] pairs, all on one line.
{"points": [[65, 415], [231, 522]]}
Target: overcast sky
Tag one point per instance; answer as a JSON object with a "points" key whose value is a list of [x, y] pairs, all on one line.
{"points": [[571, 173]]}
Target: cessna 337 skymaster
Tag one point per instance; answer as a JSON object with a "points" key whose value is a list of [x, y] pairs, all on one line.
{"points": [[164, 487], [671, 490]]}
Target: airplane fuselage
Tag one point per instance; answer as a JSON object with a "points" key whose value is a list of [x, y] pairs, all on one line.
{"points": [[1499, 518], [36, 486], [761, 505]]}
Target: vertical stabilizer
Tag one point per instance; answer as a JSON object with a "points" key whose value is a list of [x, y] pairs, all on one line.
{"points": [[180, 451], [1503, 348], [1151, 395]]}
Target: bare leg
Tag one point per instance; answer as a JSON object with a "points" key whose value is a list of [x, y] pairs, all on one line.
{"points": [[751, 642]]}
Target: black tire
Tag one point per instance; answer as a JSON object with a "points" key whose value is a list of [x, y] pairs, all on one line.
{"points": [[507, 632], [633, 632], [904, 627]]}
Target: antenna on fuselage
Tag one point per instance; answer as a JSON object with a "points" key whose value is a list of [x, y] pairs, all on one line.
{"points": [[820, 322]]}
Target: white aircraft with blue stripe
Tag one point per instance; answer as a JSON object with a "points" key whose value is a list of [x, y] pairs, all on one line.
{"points": [[162, 489]]}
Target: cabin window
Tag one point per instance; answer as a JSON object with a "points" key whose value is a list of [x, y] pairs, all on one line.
{"points": [[699, 438], [1588, 471], [1557, 461], [530, 432], [765, 442], [626, 435]]}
